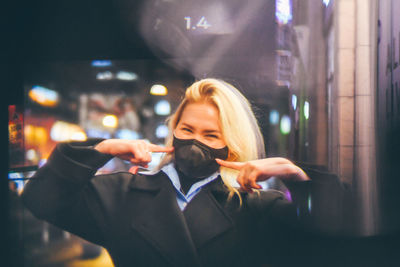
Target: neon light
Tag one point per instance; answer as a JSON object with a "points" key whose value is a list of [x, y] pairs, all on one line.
{"points": [[101, 63]]}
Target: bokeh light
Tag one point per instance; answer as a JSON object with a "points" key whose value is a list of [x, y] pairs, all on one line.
{"points": [[162, 108], [306, 110], [162, 131], [44, 96], [127, 134], [101, 63], [126, 76], [286, 124], [63, 131], [274, 117], [110, 121], [294, 102], [158, 89]]}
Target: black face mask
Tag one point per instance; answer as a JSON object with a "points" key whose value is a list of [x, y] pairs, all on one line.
{"points": [[195, 159]]}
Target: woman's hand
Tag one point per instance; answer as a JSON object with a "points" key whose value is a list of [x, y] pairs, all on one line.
{"points": [[138, 152], [254, 171]]}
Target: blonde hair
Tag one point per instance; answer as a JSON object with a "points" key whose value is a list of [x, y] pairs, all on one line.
{"points": [[239, 126]]}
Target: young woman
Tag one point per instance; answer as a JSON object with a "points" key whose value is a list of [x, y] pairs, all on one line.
{"points": [[188, 212]]}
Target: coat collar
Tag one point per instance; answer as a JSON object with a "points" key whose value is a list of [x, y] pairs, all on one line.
{"points": [[175, 234], [205, 217], [157, 217], [150, 183]]}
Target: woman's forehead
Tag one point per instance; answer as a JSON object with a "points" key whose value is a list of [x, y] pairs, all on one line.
{"points": [[203, 112]]}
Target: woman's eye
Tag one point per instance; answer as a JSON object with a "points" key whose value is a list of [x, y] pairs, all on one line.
{"points": [[187, 130], [212, 136]]}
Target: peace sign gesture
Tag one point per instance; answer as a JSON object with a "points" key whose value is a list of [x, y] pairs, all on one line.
{"points": [[254, 171], [138, 152]]}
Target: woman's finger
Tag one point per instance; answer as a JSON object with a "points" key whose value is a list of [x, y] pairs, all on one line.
{"points": [[252, 181], [141, 154], [248, 185], [230, 164], [156, 148], [141, 162], [134, 169], [242, 179]]}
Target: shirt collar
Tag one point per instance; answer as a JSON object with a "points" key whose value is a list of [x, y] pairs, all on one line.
{"points": [[170, 171]]}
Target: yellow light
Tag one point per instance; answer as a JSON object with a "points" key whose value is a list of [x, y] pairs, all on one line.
{"points": [[78, 136], [32, 155], [110, 121], [44, 96], [158, 89], [35, 135], [64, 131]]}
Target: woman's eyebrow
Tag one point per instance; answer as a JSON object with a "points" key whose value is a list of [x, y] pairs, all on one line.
{"points": [[211, 131], [187, 125]]}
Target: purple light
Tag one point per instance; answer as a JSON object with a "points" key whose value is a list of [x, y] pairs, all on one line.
{"points": [[288, 195]]}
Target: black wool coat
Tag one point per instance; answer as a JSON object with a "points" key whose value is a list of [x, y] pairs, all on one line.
{"points": [[137, 219]]}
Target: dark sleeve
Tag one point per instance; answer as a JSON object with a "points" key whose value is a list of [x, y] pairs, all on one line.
{"points": [[296, 207], [278, 234], [320, 202], [62, 191], [281, 236], [297, 225], [289, 227]]}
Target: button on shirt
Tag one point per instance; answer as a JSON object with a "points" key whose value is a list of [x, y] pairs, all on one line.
{"points": [[181, 198]]}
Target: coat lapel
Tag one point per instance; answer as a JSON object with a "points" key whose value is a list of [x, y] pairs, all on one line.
{"points": [[205, 218], [159, 220]]}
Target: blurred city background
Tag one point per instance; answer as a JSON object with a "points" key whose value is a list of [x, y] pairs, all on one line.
{"points": [[321, 76]]}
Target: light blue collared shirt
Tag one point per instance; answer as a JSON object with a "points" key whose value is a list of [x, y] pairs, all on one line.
{"points": [[169, 169], [181, 198]]}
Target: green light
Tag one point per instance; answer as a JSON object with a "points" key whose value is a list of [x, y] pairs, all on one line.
{"points": [[306, 110], [285, 125]]}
